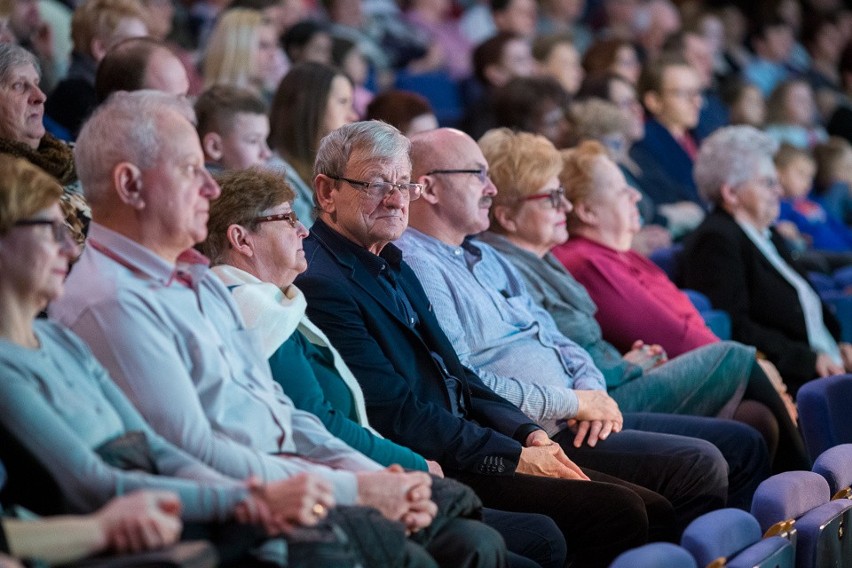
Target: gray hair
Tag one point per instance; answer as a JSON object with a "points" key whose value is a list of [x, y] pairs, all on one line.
{"points": [[381, 141], [13, 56], [730, 156], [126, 128]]}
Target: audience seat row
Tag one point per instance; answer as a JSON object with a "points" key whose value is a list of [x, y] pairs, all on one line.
{"points": [[803, 518]]}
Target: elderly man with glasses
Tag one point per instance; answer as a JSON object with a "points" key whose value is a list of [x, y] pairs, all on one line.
{"points": [[417, 392]]}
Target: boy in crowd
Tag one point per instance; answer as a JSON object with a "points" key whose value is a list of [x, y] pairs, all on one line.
{"points": [[233, 127]]}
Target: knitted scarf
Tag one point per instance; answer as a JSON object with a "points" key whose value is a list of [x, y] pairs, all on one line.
{"points": [[52, 155], [56, 158]]}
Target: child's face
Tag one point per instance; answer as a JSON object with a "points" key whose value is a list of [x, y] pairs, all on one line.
{"points": [[797, 177], [244, 145]]}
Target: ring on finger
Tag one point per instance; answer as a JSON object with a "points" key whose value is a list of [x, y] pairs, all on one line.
{"points": [[318, 510]]}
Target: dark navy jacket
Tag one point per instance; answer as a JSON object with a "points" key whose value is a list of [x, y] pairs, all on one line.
{"points": [[405, 392]]}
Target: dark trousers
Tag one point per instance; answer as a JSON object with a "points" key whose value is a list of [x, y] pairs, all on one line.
{"points": [[599, 520], [532, 540], [465, 543], [699, 464]]}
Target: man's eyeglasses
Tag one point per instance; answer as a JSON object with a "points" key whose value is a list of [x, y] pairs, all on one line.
{"points": [[379, 190], [481, 173], [556, 197], [58, 229], [290, 217]]}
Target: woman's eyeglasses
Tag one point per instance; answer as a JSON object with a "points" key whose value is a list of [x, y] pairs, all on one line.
{"points": [[58, 229], [290, 217], [556, 197]]}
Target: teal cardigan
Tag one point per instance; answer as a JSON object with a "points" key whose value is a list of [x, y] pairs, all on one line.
{"points": [[306, 373]]}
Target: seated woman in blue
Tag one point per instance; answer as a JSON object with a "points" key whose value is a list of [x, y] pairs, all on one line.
{"points": [[255, 241], [61, 406]]}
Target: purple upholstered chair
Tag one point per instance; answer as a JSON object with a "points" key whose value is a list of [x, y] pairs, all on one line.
{"points": [[797, 503], [824, 407], [835, 465], [731, 537], [655, 555]]}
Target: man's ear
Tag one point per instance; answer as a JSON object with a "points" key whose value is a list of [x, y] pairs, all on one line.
{"points": [[212, 145], [127, 181], [324, 188], [505, 217], [429, 189], [240, 239]]}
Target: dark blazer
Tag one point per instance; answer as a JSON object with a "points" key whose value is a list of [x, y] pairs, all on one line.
{"points": [[666, 167], [406, 397], [722, 262]]}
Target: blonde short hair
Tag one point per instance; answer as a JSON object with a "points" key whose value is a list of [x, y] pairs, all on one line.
{"points": [[519, 164], [578, 171], [26, 189]]}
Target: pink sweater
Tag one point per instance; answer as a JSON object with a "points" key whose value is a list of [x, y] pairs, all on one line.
{"points": [[635, 299]]}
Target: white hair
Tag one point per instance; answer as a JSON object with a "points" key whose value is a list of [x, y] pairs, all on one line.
{"points": [[125, 128], [730, 156]]}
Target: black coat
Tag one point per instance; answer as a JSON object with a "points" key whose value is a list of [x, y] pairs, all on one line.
{"points": [[722, 262]]}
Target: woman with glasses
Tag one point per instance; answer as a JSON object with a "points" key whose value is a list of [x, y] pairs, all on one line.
{"points": [[740, 262], [61, 408], [255, 243], [528, 222]]}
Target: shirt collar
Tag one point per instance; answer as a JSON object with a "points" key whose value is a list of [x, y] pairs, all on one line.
{"points": [[143, 261], [390, 257], [429, 242]]}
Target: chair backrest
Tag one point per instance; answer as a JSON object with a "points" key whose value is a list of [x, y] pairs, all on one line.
{"points": [[835, 465], [720, 534], [820, 524], [788, 495], [667, 259], [655, 555], [824, 413]]}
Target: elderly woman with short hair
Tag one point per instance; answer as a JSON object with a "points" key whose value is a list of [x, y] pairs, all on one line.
{"points": [[635, 299], [22, 133], [737, 259], [527, 223]]}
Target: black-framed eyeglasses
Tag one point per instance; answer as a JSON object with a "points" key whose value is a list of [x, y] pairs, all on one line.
{"points": [[290, 217], [480, 173], [58, 229], [379, 190], [556, 197]]}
